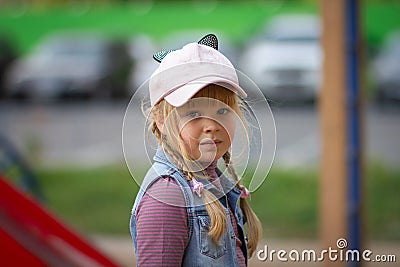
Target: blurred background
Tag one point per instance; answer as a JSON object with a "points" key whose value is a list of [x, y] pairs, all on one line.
{"points": [[69, 68]]}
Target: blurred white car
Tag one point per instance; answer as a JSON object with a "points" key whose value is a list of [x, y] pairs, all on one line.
{"points": [[285, 59], [71, 65], [386, 69]]}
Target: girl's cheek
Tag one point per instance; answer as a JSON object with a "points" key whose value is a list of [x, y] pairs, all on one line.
{"points": [[230, 127], [187, 136]]}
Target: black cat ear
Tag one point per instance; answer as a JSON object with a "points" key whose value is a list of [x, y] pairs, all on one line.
{"points": [[209, 40], [159, 56]]}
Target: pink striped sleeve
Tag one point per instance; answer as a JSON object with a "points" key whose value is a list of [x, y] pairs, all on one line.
{"points": [[162, 230]]}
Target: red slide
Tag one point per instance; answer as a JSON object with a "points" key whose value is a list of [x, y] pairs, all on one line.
{"points": [[31, 236]]}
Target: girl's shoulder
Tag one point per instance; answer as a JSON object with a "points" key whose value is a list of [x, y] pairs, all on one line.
{"points": [[166, 190], [165, 181], [165, 171]]}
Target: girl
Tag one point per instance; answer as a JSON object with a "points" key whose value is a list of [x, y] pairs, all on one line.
{"points": [[187, 212]]}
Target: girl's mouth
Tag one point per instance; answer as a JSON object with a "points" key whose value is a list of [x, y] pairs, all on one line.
{"points": [[209, 142]]}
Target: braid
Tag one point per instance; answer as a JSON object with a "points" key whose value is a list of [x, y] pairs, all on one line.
{"points": [[177, 159], [154, 129], [253, 223], [227, 159]]}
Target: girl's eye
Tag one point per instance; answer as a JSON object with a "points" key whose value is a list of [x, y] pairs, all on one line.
{"points": [[193, 114], [222, 111]]}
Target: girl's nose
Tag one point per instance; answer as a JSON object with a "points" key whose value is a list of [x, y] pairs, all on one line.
{"points": [[211, 125]]}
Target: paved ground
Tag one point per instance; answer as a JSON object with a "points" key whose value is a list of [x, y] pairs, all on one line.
{"points": [[120, 249]]}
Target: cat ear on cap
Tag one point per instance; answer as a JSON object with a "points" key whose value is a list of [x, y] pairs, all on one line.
{"points": [[209, 40]]}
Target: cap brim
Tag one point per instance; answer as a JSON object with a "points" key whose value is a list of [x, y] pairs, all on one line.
{"points": [[182, 94]]}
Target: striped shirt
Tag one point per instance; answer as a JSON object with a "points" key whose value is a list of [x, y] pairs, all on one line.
{"points": [[162, 230]]}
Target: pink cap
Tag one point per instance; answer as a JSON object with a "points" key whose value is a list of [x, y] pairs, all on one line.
{"points": [[184, 72]]}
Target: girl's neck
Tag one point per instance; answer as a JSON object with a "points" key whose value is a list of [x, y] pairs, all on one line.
{"points": [[212, 165], [211, 169]]}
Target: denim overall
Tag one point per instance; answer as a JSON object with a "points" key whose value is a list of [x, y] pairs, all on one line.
{"points": [[201, 250]]}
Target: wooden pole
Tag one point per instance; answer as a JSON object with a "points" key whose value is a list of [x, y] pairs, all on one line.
{"points": [[333, 193], [341, 109]]}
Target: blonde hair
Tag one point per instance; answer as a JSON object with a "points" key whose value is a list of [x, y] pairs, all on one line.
{"points": [[173, 145]]}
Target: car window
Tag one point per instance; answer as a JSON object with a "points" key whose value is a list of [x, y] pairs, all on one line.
{"points": [[79, 50]]}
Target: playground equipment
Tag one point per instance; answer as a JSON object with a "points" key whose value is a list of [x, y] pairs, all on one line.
{"points": [[29, 234]]}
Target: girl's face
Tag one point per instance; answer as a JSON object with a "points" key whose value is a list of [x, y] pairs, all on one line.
{"points": [[207, 128]]}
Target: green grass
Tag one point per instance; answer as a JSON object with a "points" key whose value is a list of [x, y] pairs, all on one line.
{"points": [[286, 203], [383, 187], [99, 201], [236, 19]]}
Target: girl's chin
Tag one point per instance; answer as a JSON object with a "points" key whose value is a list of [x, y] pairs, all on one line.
{"points": [[209, 157]]}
